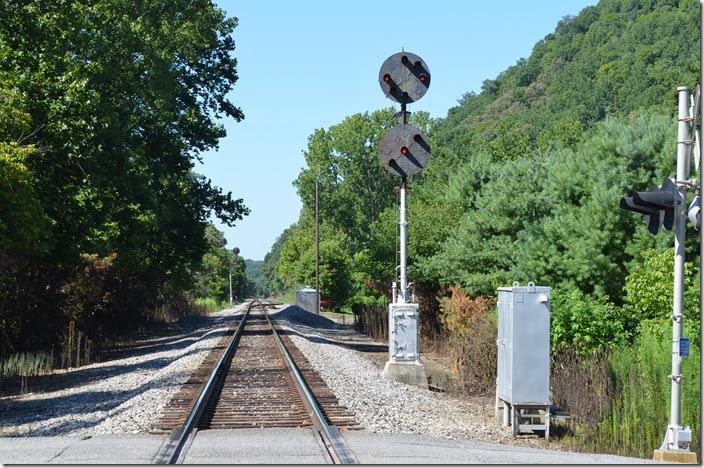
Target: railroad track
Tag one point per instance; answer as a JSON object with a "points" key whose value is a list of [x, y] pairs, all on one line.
{"points": [[255, 377]]}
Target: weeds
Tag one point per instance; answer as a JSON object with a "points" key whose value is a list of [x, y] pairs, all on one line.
{"points": [[26, 365], [639, 412], [207, 304]]}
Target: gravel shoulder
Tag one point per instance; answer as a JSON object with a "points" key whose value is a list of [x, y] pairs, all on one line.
{"points": [[121, 396], [385, 406]]}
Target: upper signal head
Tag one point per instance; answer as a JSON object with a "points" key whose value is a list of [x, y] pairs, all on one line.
{"points": [[404, 77]]}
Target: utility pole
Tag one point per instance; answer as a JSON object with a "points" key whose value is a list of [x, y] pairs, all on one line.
{"points": [[235, 253], [317, 243]]}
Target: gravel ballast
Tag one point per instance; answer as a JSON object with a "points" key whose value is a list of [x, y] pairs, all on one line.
{"points": [[386, 406], [118, 396], [126, 395]]}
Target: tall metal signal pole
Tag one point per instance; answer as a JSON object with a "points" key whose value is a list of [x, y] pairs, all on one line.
{"points": [[317, 245], [404, 151], [701, 162]]}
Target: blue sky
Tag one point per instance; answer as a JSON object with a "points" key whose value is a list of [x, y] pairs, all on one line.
{"points": [[308, 64]]}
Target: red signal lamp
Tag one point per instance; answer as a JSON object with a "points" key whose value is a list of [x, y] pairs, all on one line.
{"points": [[423, 77], [387, 78], [404, 151]]}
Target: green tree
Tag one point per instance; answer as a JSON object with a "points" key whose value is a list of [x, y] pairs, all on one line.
{"points": [[105, 107], [354, 188], [297, 262], [585, 241], [272, 282], [212, 278]]}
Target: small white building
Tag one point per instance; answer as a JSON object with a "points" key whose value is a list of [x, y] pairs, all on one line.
{"points": [[307, 299]]}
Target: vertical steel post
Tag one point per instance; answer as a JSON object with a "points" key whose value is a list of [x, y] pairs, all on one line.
{"points": [[230, 284], [675, 426], [701, 161], [402, 224], [317, 244]]}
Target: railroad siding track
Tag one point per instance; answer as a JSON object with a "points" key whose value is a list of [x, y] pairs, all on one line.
{"points": [[255, 388]]}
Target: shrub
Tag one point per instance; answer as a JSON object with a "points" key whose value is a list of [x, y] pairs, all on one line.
{"points": [[649, 291], [583, 322], [24, 366], [470, 330], [460, 312], [474, 355]]}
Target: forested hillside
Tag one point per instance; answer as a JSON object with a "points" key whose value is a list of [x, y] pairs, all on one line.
{"points": [[105, 108], [524, 185]]}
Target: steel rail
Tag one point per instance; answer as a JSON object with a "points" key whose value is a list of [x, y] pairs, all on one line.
{"points": [[331, 437], [178, 438]]}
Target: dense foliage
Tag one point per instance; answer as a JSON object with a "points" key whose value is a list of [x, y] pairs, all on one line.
{"points": [[105, 106]]}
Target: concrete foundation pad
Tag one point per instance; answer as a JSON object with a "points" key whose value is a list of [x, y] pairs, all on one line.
{"points": [[411, 373], [675, 456]]}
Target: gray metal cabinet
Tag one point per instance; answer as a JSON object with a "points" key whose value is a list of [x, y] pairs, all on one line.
{"points": [[523, 368]]}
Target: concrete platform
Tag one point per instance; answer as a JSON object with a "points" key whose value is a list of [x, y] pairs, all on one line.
{"points": [[284, 446]]}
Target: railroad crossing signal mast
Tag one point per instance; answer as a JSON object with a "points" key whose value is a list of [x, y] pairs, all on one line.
{"points": [[404, 151], [665, 206]]}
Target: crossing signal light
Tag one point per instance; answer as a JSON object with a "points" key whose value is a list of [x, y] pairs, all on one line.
{"points": [[404, 151], [423, 77], [657, 205], [387, 77]]}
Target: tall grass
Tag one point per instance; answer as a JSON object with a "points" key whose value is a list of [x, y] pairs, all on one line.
{"points": [[25, 365], [286, 298], [208, 304], [639, 414]]}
